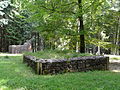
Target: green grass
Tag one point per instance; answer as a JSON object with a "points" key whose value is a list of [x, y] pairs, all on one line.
{"points": [[56, 54], [14, 75], [115, 58]]}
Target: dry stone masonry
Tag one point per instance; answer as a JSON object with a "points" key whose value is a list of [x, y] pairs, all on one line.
{"points": [[78, 64]]}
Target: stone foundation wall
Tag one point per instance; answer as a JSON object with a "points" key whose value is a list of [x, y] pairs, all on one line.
{"points": [[50, 66]]}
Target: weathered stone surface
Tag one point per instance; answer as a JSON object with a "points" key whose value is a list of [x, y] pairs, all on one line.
{"points": [[20, 48], [78, 64]]}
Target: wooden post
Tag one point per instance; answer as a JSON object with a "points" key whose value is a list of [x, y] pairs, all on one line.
{"points": [[107, 65], [40, 64], [38, 68]]}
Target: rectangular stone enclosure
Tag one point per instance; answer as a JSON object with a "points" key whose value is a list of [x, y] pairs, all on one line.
{"points": [[78, 64]]}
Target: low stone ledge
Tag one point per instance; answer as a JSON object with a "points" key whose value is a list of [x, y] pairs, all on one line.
{"points": [[78, 64]]}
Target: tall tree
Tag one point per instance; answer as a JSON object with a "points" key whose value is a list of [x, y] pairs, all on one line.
{"points": [[57, 21], [81, 28]]}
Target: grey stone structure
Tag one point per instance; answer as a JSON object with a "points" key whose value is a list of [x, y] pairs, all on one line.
{"points": [[26, 47], [78, 64]]}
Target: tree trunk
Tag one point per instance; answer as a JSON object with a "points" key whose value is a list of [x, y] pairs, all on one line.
{"points": [[115, 50], [81, 29], [117, 39]]}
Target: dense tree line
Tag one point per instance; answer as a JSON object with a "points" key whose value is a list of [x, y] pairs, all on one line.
{"points": [[79, 25], [13, 23]]}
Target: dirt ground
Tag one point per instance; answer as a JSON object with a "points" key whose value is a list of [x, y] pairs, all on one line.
{"points": [[114, 65]]}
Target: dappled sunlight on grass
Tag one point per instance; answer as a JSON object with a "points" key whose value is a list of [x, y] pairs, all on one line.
{"points": [[2, 81], [115, 58], [116, 70], [13, 65], [2, 86]]}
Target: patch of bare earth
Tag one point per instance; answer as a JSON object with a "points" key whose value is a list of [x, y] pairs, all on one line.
{"points": [[4, 54], [114, 65]]}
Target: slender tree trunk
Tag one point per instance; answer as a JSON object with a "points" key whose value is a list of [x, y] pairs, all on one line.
{"points": [[117, 39], [77, 47], [115, 50], [42, 44], [81, 28], [114, 42]]}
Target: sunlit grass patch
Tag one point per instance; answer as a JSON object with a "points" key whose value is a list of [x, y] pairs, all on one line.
{"points": [[56, 54], [115, 58], [14, 75]]}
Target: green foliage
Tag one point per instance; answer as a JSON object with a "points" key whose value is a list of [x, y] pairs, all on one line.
{"points": [[18, 30], [56, 19], [56, 54], [17, 76], [5, 8], [6, 57]]}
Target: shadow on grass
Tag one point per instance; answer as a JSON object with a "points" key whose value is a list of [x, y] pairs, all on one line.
{"points": [[14, 75]]}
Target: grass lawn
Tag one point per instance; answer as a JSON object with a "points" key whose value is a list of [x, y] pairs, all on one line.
{"points": [[56, 54], [14, 75], [115, 58]]}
